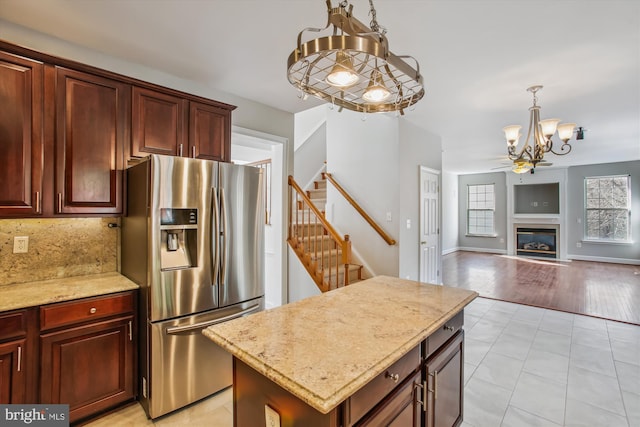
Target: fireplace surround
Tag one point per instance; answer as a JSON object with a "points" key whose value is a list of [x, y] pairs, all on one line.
{"points": [[556, 221]]}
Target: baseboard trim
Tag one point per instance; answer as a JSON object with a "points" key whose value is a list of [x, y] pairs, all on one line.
{"points": [[605, 259], [486, 250], [450, 251]]}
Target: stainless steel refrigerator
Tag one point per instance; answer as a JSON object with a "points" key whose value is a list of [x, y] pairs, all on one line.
{"points": [[193, 240]]}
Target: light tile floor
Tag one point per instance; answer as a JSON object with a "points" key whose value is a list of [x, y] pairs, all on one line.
{"points": [[524, 366], [528, 366]]}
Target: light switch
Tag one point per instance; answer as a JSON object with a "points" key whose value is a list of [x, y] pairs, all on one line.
{"points": [[388, 216], [408, 224], [271, 417]]}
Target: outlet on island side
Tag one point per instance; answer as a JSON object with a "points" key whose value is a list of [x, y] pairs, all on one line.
{"points": [[271, 417], [20, 244]]}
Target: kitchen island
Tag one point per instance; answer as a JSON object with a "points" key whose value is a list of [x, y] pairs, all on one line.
{"points": [[372, 353]]}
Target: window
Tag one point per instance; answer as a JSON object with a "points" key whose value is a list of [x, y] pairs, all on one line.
{"points": [[481, 206], [607, 208]]}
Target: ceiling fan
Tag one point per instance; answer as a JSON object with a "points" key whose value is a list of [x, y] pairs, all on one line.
{"points": [[510, 165]]}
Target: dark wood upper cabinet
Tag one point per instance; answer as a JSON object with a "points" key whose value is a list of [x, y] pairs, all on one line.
{"points": [[21, 142], [209, 132], [159, 123], [93, 121]]}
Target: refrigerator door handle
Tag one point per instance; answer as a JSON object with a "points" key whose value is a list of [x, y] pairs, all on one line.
{"points": [[202, 325], [225, 235], [215, 235]]}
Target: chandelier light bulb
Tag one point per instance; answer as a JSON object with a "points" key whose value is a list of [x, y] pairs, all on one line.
{"points": [[512, 133], [342, 74], [548, 127], [565, 131]]}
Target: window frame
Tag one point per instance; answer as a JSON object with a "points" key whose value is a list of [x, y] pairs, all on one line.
{"points": [[493, 233], [585, 237]]}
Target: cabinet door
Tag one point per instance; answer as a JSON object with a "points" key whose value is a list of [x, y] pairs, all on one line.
{"points": [[93, 121], [400, 409], [21, 142], [12, 373], [445, 376], [89, 367], [158, 124], [209, 132]]}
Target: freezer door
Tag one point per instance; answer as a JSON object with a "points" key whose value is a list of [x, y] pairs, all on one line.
{"points": [[182, 224], [184, 365], [241, 274]]}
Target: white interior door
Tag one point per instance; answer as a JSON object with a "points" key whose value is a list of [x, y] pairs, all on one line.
{"points": [[429, 225]]}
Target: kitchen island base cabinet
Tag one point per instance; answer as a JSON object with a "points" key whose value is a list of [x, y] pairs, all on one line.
{"points": [[252, 391], [402, 409], [444, 374]]}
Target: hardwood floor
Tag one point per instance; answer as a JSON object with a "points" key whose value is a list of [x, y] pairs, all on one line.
{"points": [[608, 291]]}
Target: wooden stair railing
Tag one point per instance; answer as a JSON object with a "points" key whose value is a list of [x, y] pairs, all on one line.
{"points": [[324, 253], [358, 208]]}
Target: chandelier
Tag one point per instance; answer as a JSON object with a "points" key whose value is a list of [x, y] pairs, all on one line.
{"points": [[540, 133], [353, 67]]}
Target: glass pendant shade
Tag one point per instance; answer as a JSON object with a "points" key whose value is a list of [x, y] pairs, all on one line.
{"points": [[565, 131], [512, 133], [548, 127], [342, 74], [376, 91]]}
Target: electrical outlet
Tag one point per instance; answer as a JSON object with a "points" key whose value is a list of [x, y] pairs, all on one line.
{"points": [[388, 216], [578, 244], [20, 244], [271, 417]]}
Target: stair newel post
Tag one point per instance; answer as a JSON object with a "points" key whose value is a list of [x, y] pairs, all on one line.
{"points": [[292, 233], [346, 257]]}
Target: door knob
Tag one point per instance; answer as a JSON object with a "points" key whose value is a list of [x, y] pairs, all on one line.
{"points": [[423, 243]]}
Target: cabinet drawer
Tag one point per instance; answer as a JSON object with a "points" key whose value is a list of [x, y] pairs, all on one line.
{"points": [[13, 325], [67, 313], [371, 394], [446, 331]]}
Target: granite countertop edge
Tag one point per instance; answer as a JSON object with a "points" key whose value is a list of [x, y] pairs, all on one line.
{"points": [[32, 294], [322, 404]]}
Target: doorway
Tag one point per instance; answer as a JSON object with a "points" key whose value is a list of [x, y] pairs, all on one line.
{"points": [[249, 146], [429, 225]]}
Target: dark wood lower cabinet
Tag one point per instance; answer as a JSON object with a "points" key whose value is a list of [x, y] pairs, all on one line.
{"points": [[401, 409], [89, 367], [445, 382], [13, 380], [424, 388]]}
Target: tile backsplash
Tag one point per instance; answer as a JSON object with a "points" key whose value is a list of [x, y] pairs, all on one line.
{"points": [[58, 248]]}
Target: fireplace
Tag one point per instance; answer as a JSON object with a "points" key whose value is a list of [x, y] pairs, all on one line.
{"points": [[538, 242]]}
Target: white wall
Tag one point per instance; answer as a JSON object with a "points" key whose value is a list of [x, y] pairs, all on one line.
{"points": [[363, 157], [450, 212], [417, 147], [304, 286]]}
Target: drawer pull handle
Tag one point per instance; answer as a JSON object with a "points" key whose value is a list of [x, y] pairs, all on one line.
{"points": [[392, 377], [93, 310], [448, 328]]}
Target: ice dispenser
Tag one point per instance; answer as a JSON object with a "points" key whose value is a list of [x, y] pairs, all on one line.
{"points": [[178, 239]]}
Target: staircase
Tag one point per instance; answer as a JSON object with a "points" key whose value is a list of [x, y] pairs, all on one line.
{"points": [[324, 253]]}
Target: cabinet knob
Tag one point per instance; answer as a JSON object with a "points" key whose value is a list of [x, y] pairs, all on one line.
{"points": [[448, 328], [93, 310], [392, 377]]}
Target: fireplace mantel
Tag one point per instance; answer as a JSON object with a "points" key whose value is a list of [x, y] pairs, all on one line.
{"points": [[542, 176]]}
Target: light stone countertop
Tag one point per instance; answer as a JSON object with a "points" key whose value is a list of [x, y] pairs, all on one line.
{"points": [[324, 348], [30, 294]]}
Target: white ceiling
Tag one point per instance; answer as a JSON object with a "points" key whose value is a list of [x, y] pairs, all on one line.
{"points": [[477, 58]]}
